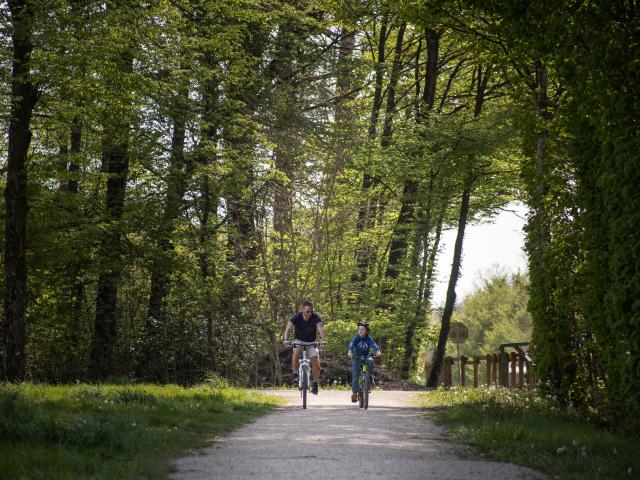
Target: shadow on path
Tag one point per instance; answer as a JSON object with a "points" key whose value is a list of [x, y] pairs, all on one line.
{"points": [[334, 439]]}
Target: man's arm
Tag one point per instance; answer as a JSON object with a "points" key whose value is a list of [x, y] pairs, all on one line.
{"points": [[323, 335], [285, 335]]}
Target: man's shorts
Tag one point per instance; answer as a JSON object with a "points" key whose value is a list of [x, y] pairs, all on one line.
{"points": [[311, 350]]}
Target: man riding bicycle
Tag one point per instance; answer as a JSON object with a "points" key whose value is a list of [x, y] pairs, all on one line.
{"points": [[359, 347], [306, 324]]}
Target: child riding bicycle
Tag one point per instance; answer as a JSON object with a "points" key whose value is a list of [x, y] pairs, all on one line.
{"points": [[360, 346]]}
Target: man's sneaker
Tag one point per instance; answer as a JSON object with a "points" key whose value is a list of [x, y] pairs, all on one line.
{"points": [[354, 397], [295, 379], [314, 388]]}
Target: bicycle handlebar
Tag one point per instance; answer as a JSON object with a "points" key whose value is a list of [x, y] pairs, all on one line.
{"points": [[299, 343], [364, 357]]}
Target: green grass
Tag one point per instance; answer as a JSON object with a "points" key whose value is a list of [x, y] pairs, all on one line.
{"points": [[523, 428], [114, 431]]}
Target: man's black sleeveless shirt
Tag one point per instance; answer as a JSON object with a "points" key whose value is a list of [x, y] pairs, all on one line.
{"points": [[305, 329]]}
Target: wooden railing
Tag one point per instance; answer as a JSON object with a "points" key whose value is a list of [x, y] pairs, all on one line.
{"points": [[512, 370]]}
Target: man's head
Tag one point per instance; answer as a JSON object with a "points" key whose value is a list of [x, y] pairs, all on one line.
{"points": [[363, 329], [307, 310]]}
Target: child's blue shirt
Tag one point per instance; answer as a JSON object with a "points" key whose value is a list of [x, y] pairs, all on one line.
{"points": [[361, 345]]}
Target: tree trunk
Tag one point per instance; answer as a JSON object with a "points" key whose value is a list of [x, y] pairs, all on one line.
{"points": [[367, 209], [421, 247], [390, 109], [402, 227], [23, 100], [433, 48], [115, 163], [481, 80], [451, 289], [287, 146], [433, 254], [398, 244], [210, 135], [162, 267]]}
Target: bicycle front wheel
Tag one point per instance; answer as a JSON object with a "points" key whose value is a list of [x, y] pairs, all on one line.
{"points": [[305, 387]]}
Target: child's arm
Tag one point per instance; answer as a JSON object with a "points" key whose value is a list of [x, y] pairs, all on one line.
{"points": [[374, 345], [352, 345]]}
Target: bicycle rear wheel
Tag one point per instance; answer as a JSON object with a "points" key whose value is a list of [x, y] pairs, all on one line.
{"points": [[365, 392]]}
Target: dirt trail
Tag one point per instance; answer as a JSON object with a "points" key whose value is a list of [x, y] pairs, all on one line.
{"points": [[334, 439]]}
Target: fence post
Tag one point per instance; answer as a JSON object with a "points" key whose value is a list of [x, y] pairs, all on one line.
{"points": [[512, 362], [442, 374], [489, 369], [502, 369], [476, 363], [520, 372], [531, 374], [449, 373], [496, 378], [463, 370], [445, 372]]}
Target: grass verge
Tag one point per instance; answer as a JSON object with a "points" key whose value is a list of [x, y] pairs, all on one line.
{"points": [[113, 431], [523, 428]]}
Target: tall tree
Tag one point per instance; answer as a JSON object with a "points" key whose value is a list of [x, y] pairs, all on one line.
{"points": [[471, 173], [23, 100], [115, 165]]}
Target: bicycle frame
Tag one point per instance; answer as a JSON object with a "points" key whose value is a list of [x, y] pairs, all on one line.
{"points": [[364, 381], [304, 370]]}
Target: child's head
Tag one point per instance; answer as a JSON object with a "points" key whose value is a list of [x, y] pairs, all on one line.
{"points": [[363, 329]]}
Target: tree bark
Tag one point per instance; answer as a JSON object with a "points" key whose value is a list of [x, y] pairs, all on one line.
{"points": [[432, 38], [390, 109], [367, 209], [481, 81], [451, 289], [420, 248], [398, 244], [161, 267], [115, 163], [208, 204], [287, 146], [23, 100]]}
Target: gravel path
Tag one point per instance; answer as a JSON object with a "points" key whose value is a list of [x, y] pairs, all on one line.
{"points": [[334, 439]]}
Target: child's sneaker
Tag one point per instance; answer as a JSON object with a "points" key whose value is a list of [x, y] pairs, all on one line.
{"points": [[354, 397], [314, 388]]}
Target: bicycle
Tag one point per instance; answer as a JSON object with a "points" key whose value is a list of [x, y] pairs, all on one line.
{"points": [[365, 381], [304, 370]]}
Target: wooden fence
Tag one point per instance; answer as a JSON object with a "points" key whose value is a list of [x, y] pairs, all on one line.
{"points": [[506, 370]]}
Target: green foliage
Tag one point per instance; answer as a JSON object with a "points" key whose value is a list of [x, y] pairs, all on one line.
{"points": [[495, 313], [113, 431], [266, 203], [522, 427]]}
